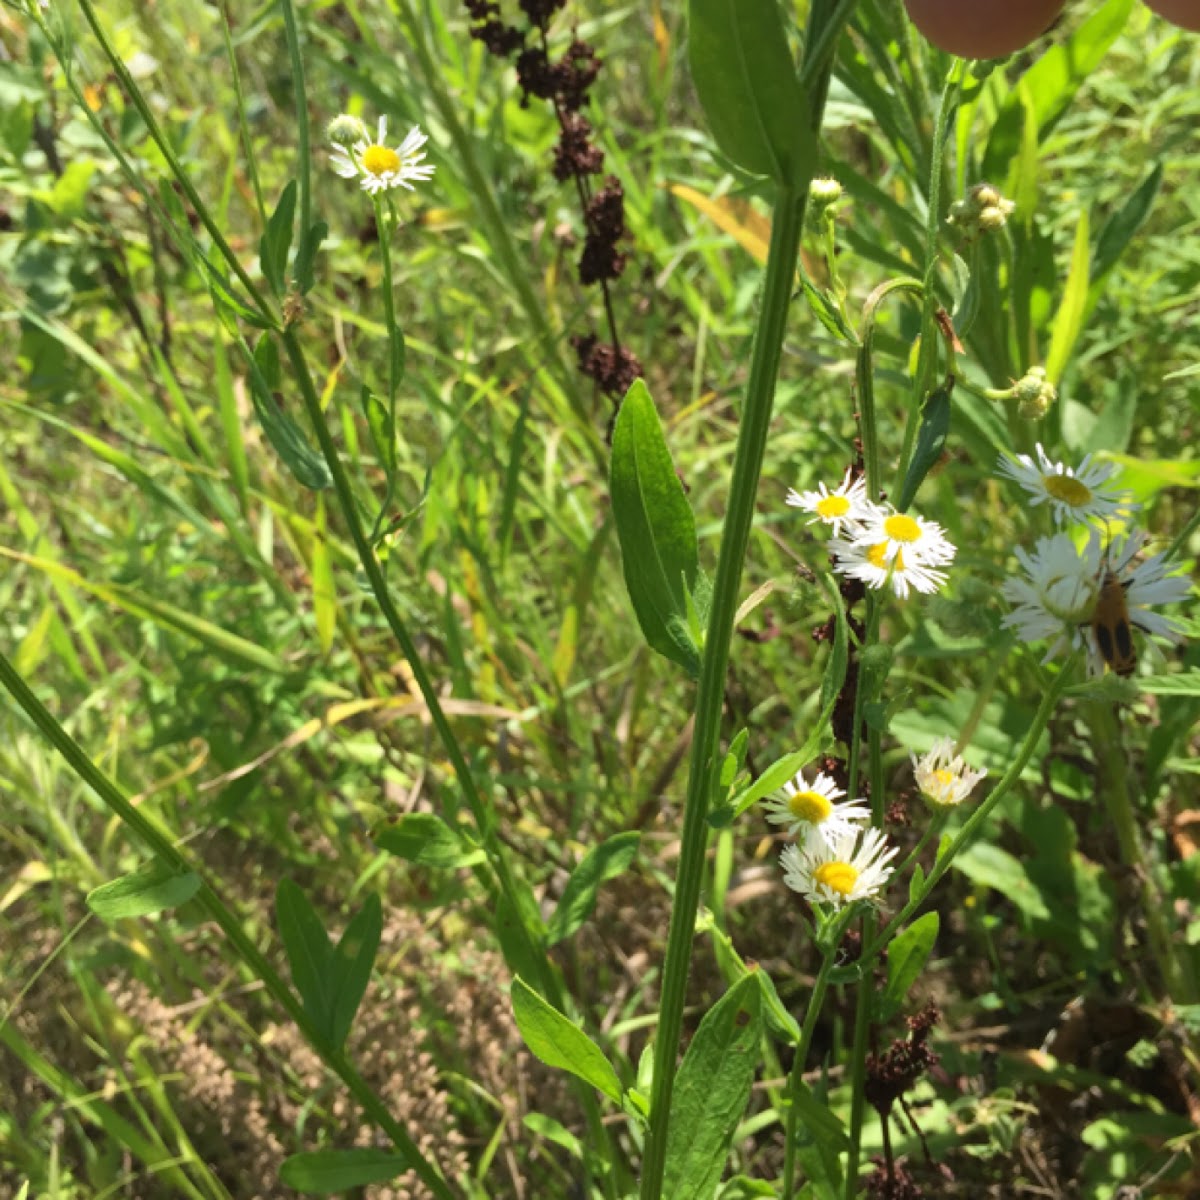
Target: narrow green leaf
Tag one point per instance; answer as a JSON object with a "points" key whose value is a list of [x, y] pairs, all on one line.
{"points": [[916, 883], [779, 1021], [353, 962], [659, 552], [1120, 228], [711, 1091], [560, 1043], [600, 864], [332, 1172], [771, 780], [931, 439], [383, 432], [1068, 322], [150, 889], [519, 934], [304, 268], [225, 300], [554, 1131], [908, 952], [425, 839], [276, 240], [310, 954], [324, 592], [282, 432], [747, 84], [826, 309], [1186, 683]]}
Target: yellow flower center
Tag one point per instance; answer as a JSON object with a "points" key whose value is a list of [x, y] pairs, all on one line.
{"points": [[1068, 489], [877, 557], [945, 778], [829, 508], [900, 528], [809, 806], [379, 160], [839, 876]]}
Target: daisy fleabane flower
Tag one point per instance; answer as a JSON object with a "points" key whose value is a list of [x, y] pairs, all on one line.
{"points": [[944, 779], [1056, 599], [1082, 493], [899, 548], [812, 808], [846, 504], [379, 166], [852, 867]]}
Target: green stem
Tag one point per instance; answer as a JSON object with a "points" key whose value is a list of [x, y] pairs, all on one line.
{"points": [[395, 351], [796, 1079], [786, 225], [858, 1075], [159, 138], [1113, 777], [166, 852], [303, 136], [864, 380], [927, 355]]}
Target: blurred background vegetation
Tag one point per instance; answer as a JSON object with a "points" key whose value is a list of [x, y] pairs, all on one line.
{"points": [[198, 620]]}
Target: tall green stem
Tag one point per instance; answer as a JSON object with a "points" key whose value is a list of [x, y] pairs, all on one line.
{"points": [[752, 438], [1113, 778], [858, 1073], [786, 226], [165, 850]]}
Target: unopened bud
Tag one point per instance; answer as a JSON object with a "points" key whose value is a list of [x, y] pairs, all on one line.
{"points": [[824, 192], [345, 130]]}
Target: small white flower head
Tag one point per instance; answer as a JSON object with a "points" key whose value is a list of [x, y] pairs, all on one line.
{"points": [[897, 548], [847, 504], [379, 166], [812, 809], [1057, 599], [1081, 493], [944, 779], [853, 867]]}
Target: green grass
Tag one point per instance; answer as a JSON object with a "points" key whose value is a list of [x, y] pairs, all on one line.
{"points": [[202, 627]]}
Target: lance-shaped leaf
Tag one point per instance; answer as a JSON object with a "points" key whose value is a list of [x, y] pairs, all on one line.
{"points": [[711, 1092], [747, 84], [657, 531], [149, 889]]}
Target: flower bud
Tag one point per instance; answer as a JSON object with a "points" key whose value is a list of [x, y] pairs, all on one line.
{"points": [[345, 130]]}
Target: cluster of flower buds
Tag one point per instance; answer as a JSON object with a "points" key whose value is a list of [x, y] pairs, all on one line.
{"points": [[565, 83], [982, 210]]}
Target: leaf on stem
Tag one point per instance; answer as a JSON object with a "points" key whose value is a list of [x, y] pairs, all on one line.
{"points": [[711, 1091], [748, 87], [559, 1042], [659, 551]]}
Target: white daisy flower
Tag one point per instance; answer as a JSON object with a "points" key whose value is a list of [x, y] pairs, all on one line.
{"points": [[812, 808], [944, 779], [378, 166], [846, 504], [852, 868], [900, 548], [1080, 493], [1057, 600]]}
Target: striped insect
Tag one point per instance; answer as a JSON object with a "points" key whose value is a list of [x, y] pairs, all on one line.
{"points": [[1112, 630]]}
